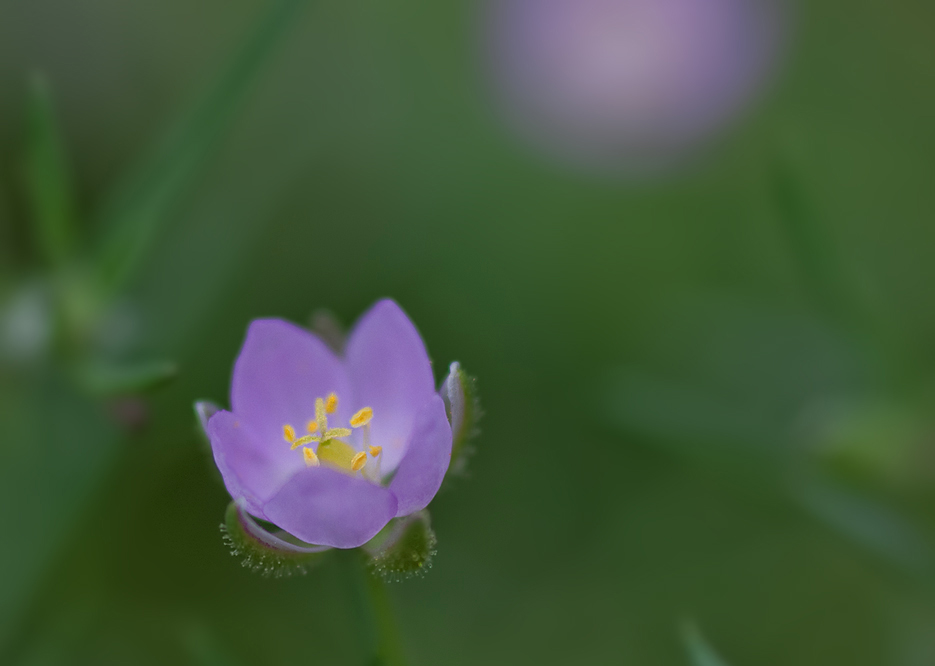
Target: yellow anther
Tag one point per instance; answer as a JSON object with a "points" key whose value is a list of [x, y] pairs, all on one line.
{"points": [[362, 417], [331, 404], [358, 461], [311, 426], [302, 441], [288, 433], [311, 460], [332, 433], [376, 450]]}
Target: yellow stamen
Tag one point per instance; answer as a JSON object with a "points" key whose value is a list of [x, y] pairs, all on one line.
{"points": [[321, 418], [362, 417], [331, 450], [302, 441], [311, 460]]}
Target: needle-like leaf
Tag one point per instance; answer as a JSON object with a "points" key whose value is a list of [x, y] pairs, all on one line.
{"points": [[147, 199]]}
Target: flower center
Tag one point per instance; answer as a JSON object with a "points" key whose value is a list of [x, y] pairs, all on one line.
{"points": [[330, 448]]}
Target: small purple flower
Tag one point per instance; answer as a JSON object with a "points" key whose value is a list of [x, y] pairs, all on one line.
{"points": [[331, 449]]}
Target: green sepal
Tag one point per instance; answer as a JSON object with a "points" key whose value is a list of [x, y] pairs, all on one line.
{"points": [[204, 410], [270, 554], [459, 391], [105, 378], [404, 548]]}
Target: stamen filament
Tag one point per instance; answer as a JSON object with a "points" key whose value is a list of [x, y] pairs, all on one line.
{"points": [[302, 441], [321, 417], [372, 470]]}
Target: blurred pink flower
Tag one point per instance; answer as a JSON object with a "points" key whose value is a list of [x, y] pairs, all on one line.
{"points": [[629, 85]]}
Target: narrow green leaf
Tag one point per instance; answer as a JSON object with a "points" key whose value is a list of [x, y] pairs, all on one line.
{"points": [[700, 653], [148, 198], [48, 180]]}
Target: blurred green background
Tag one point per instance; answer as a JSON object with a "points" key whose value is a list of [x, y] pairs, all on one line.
{"points": [[708, 397]]}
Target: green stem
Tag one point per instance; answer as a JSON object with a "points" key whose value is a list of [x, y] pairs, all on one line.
{"points": [[373, 608]]}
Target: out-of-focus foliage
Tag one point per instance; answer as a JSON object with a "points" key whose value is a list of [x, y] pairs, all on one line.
{"points": [[708, 396], [699, 651]]}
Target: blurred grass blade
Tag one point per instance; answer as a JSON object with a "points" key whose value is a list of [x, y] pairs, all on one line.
{"points": [[700, 653], [55, 448], [7, 245], [828, 277], [808, 239], [695, 423], [881, 531], [147, 199], [110, 379], [48, 181]]}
